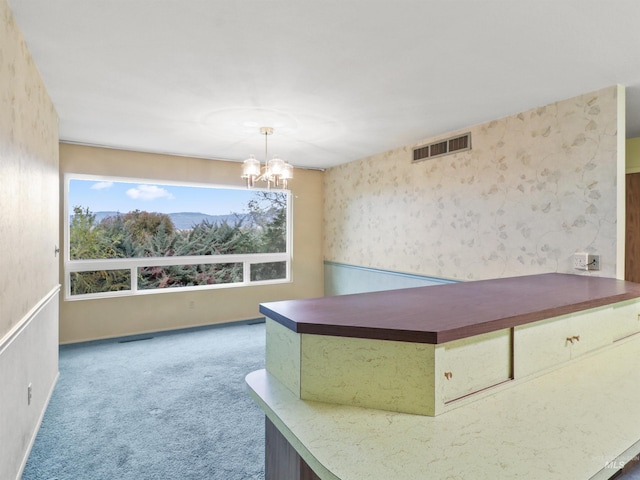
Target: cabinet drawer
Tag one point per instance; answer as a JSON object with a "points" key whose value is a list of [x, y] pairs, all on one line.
{"points": [[540, 345], [544, 344], [625, 319], [472, 364], [592, 329]]}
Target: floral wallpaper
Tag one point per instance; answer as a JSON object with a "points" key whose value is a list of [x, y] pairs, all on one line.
{"points": [[535, 188], [28, 179]]}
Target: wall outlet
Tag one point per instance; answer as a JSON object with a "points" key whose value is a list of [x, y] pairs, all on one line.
{"points": [[580, 261], [586, 261], [593, 262]]}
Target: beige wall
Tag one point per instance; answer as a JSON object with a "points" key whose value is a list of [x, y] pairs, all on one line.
{"points": [[92, 319], [28, 237], [535, 188], [633, 155]]}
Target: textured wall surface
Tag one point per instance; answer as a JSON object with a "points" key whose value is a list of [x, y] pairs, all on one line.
{"points": [[535, 188], [28, 236], [28, 179]]}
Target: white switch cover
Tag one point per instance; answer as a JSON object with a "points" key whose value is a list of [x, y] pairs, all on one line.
{"points": [[580, 261]]}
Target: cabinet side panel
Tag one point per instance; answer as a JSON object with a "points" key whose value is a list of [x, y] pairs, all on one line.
{"points": [[283, 355], [386, 375]]}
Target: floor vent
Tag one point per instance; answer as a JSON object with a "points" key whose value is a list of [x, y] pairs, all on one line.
{"points": [[442, 147], [136, 339]]}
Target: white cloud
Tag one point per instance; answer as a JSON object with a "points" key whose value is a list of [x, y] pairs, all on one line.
{"points": [[148, 192], [101, 185]]}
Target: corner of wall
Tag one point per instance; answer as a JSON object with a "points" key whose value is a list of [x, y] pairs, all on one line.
{"points": [[621, 182], [29, 226]]}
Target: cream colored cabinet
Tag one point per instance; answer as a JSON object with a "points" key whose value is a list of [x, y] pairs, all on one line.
{"points": [[430, 379], [547, 343], [625, 319], [472, 364]]}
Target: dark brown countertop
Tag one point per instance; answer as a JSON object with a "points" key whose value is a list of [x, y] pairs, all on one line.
{"points": [[442, 313]]}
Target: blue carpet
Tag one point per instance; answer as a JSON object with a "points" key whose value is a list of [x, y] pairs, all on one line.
{"points": [[171, 407]]}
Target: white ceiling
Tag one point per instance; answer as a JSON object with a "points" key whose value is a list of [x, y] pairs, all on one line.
{"points": [[338, 80]]}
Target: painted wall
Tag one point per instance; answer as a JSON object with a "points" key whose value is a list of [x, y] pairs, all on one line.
{"points": [[28, 237], [633, 155], [340, 279], [535, 188], [92, 319]]}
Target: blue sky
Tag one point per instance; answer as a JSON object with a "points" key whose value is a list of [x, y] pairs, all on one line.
{"points": [[124, 197]]}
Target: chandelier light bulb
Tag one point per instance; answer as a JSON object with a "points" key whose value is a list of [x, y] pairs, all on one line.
{"points": [[251, 170]]}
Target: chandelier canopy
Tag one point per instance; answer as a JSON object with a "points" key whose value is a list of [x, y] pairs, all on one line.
{"points": [[276, 172]]}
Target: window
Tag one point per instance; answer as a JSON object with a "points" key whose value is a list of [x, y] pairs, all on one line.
{"points": [[127, 237]]}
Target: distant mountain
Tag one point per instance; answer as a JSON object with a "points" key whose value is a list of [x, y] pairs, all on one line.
{"points": [[187, 220]]}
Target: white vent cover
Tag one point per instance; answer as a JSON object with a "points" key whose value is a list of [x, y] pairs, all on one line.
{"points": [[442, 147]]}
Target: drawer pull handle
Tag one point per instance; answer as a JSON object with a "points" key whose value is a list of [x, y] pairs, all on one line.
{"points": [[448, 375], [570, 339], [576, 337]]}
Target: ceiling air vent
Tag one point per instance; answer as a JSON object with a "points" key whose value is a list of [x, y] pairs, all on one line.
{"points": [[443, 147]]}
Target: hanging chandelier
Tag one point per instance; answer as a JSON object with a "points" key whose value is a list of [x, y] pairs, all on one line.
{"points": [[276, 172]]}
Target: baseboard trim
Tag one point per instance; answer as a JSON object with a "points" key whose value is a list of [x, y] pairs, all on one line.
{"points": [[158, 333]]}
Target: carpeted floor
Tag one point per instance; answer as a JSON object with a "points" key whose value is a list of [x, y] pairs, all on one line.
{"points": [[171, 407]]}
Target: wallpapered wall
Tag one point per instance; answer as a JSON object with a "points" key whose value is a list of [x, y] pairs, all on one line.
{"points": [[28, 236], [28, 179], [535, 188]]}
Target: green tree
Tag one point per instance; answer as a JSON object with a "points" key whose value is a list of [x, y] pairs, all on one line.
{"points": [[142, 225], [223, 238], [87, 240], [268, 211]]}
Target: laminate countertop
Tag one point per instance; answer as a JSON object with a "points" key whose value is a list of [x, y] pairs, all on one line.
{"points": [[442, 313], [579, 422]]}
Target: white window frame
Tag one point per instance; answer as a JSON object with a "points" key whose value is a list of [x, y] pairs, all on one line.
{"points": [[134, 264]]}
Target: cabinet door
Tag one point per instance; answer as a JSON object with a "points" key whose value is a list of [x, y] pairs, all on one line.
{"points": [[590, 330], [540, 345], [625, 319], [472, 364]]}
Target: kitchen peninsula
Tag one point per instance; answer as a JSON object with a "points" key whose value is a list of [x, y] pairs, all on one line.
{"points": [[530, 376]]}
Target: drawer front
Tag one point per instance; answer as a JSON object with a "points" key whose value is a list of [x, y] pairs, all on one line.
{"points": [[473, 364], [540, 345], [547, 343], [625, 319], [589, 331]]}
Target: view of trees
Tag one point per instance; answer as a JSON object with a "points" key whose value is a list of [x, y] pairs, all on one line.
{"points": [[148, 234]]}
